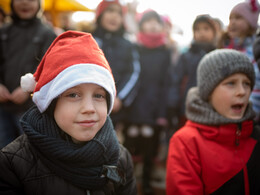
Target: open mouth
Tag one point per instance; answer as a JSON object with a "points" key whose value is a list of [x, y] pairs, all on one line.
{"points": [[237, 107]]}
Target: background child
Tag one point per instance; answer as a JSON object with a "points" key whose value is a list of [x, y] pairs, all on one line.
{"points": [[120, 53], [69, 139], [182, 76], [147, 114], [23, 43], [217, 151], [240, 35], [170, 42], [219, 25]]}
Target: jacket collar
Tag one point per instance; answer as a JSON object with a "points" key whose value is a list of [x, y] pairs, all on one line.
{"points": [[228, 133]]}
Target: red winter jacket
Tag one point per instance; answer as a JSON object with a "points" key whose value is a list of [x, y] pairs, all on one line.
{"points": [[203, 158]]}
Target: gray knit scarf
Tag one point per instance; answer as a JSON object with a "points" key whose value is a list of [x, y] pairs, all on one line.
{"points": [[200, 111], [82, 165]]}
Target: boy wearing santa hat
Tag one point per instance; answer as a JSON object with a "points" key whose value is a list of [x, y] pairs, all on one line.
{"points": [[69, 145]]}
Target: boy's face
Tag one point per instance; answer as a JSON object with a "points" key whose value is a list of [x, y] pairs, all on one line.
{"points": [[203, 33], [112, 18], [81, 111], [230, 98], [238, 26], [152, 26], [26, 9]]}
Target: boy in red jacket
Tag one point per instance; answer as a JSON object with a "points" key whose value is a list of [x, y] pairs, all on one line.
{"points": [[217, 151]]}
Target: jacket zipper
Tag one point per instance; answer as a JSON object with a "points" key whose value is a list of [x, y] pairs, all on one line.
{"points": [[246, 181], [238, 134]]}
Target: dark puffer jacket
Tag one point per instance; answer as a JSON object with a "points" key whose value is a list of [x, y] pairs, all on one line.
{"points": [[22, 172]]}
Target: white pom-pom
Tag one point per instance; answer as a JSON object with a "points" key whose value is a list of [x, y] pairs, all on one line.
{"points": [[28, 82]]}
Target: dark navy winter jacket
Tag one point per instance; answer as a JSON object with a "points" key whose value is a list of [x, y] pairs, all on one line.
{"points": [[150, 102]]}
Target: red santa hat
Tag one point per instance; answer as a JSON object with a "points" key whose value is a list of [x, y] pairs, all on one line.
{"points": [[72, 59]]}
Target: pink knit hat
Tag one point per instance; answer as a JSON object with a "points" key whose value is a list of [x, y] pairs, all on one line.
{"points": [[248, 10], [72, 59]]}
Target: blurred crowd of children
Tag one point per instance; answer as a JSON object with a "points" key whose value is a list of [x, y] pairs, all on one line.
{"points": [[152, 75]]}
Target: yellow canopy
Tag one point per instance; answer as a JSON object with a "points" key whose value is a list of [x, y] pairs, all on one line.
{"points": [[57, 6], [5, 4], [50, 5], [53, 6], [64, 5]]}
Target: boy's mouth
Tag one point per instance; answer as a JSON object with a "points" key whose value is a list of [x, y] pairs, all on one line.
{"points": [[87, 123], [237, 107]]}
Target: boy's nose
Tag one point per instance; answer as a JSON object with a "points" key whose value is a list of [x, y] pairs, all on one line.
{"points": [[241, 89], [87, 105]]}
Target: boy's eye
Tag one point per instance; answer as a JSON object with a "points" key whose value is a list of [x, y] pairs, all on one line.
{"points": [[99, 96], [247, 83], [230, 83], [72, 95]]}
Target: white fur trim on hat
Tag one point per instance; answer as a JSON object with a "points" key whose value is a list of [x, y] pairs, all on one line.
{"points": [[71, 77], [28, 82]]}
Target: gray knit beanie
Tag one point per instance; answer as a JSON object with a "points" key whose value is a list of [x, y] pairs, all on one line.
{"points": [[217, 65]]}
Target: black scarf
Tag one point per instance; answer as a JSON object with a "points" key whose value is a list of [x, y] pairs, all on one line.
{"points": [[83, 165]]}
